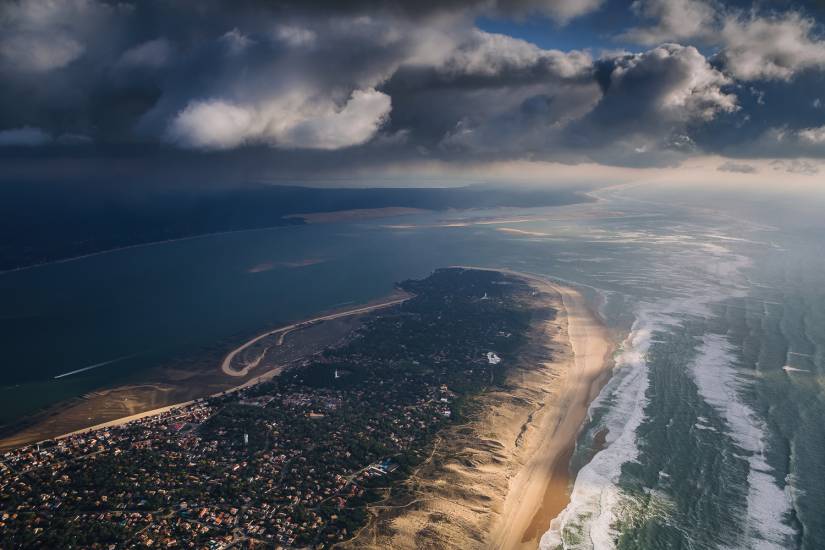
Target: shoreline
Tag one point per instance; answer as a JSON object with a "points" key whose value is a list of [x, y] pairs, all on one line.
{"points": [[226, 364], [538, 493], [214, 381], [499, 480], [140, 245], [295, 220], [309, 218], [160, 410]]}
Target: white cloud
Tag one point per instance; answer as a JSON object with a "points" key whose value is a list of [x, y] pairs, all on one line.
{"points": [[211, 124], [673, 20], [812, 136], [26, 136], [770, 47], [290, 121], [332, 128], [489, 54], [644, 112], [300, 78], [752, 46]]}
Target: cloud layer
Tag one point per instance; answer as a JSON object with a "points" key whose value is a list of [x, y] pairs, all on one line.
{"points": [[405, 81]]}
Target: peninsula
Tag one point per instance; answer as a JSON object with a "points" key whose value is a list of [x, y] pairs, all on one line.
{"points": [[448, 413]]}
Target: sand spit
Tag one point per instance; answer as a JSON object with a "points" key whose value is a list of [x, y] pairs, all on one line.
{"points": [[498, 481], [280, 333], [166, 387], [494, 482]]}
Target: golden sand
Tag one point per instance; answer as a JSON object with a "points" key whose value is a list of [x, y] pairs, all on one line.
{"points": [[498, 481]]}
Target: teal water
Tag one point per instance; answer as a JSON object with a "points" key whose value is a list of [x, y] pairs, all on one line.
{"points": [[710, 444]]}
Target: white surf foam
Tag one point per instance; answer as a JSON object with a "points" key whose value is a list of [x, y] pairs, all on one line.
{"points": [[699, 275], [788, 368], [717, 381], [596, 494]]}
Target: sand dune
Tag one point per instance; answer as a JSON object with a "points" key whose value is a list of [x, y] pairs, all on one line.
{"points": [[498, 481], [536, 494]]}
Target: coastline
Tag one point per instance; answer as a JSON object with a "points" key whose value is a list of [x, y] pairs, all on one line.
{"points": [[294, 219], [537, 494], [498, 481], [163, 389], [137, 245], [226, 364], [495, 482], [160, 410]]}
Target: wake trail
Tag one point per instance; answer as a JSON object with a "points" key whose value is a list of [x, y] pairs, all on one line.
{"points": [[95, 366]]}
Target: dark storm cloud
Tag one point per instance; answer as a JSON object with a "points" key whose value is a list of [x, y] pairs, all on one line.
{"points": [[307, 86], [738, 167], [560, 10], [630, 109], [655, 93]]}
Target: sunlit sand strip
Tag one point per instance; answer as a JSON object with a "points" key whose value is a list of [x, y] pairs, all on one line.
{"points": [[499, 480], [535, 494], [226, 365]]}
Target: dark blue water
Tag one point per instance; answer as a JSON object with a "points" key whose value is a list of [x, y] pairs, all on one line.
{"points": [[711, 444], [141, 306]]}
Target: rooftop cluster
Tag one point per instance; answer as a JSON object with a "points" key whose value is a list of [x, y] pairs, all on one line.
{"points": [[287, 463]]}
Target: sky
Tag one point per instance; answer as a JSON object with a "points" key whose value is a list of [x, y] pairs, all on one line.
{"points": [[411, 92]]}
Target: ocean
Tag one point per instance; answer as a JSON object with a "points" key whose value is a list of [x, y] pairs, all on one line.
{"points": [[713, 417]]}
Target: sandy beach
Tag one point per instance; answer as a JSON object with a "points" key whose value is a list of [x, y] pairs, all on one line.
{"points": [[495, 482], [498, 481], [538, 492]]}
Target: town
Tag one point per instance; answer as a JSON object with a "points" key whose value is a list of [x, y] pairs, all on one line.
{"points": [[288, 463]]}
